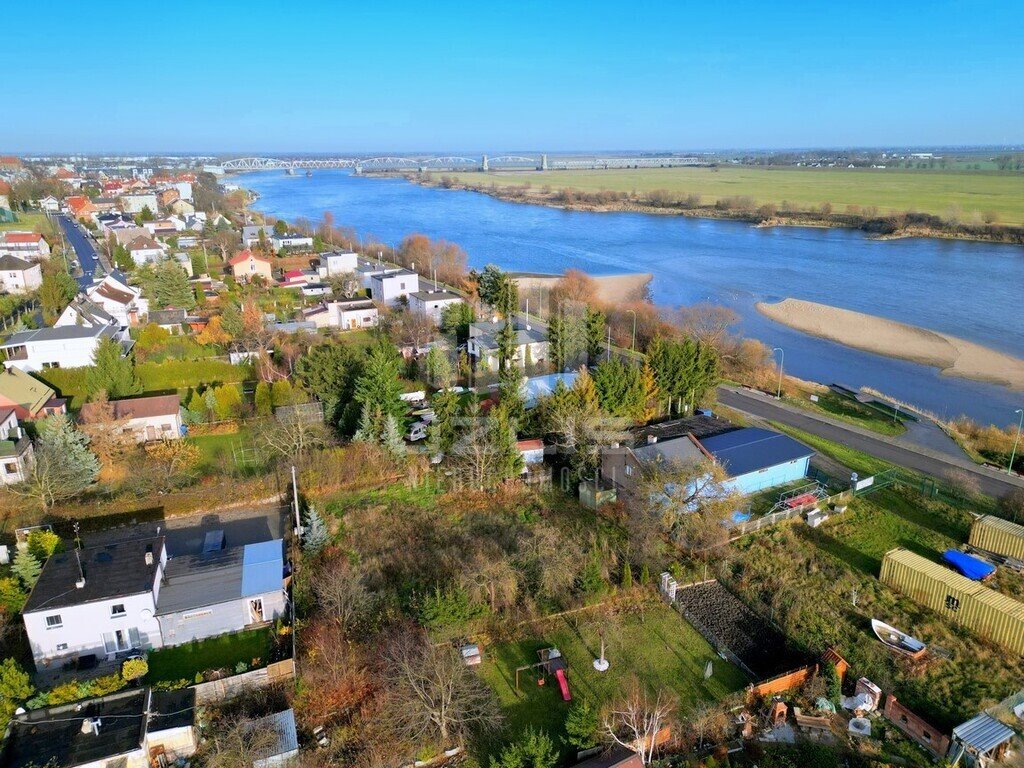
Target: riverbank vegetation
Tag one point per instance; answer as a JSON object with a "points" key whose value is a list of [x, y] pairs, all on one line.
{"points": [[884, 202]]}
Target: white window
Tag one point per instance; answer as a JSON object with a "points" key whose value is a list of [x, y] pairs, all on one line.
{"points": [[629, 470], [62, 646], [53, 622], [117, 610]]}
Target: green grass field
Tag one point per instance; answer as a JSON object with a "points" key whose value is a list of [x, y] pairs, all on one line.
{"points": [[216, 450], [935, 192], [29, 222], [658, 648], [848, 410], [182, 662]]}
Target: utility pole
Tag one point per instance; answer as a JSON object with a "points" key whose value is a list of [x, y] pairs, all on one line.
{"points": [[782, 362], [1013, 453], [295, 504]]}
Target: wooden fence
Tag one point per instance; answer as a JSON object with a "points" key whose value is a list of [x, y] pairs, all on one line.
{"points": [[750, 526], [228, 687]]}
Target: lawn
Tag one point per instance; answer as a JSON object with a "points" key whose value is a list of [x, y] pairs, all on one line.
{"points": [[861, 463], [848, 410], [658, 648], [215, 450], [183, 662], [31, 222], [935, 192]]}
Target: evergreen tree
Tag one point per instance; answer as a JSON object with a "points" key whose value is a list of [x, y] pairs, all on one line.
{"points": [[456, 319], [594, 323], [379, 385], [369, 421], [329, 372], [15, 688], [210, 400], [645, 575], [172, 287], [315, 536], [506, 339], [508, 461], [620, 389], [627, 576], [439, 367], [281, 393], [264, 403], [111, 371], [55, 293], [556, 342], [488, 286], [649, 387], [683, 369], [62, 466], [582, 724], [533, 749], [197, 407], [391, 437], [510, 392], [231, 320], [227, 402], [27, 568], [441, 432], [585, 393]]}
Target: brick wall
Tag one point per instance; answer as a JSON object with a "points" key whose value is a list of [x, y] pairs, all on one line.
{"points": [[917, 729], [786, 682]]}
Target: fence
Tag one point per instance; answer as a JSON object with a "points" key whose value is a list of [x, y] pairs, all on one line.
{"points": [[787, 681], [738, 530], [228, 687]]}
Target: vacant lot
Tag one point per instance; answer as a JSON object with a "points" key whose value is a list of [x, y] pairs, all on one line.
{"points": [[934, 192], [655, 646]]}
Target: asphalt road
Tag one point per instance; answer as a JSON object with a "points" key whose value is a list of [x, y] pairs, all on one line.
{"points": [[918, 459], [82, 244]]}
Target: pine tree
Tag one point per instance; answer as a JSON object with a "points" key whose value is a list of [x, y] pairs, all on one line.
{"points": [[62, 466], [197, 410], [585, 393], [368, 425], [391, 437], [506, 340], [627, 576], [281, 393], [380, 385], [55, 293], [315, 535], [27, 568], [508, 461], [172, 286], [263, 401], [594, 323], [582, 724], [441, 432], [111, 371], [510, 393], [649, 388], [231, 320]]}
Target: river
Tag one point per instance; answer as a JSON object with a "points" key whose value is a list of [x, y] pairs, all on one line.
{"points": [[971, 290]]}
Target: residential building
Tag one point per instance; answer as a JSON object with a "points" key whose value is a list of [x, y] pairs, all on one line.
{"points": [[147, 418], [532, 452], [367, 270], [755, 459], [18, 275], [347, 314], [291, 241], [296, 278], [28, 396], [16, 449], [69, 177], [432, 303], [531, 344], [97, 600], [108, 222], [50, 204], [145, 250], [24, 245], [183, 207], [126, 231], [167, 196], [334, 263], [246, 265], [285, 745], [392, 285], [134, 202], [80, 206], [135, 728], [251, 234], [164, 227], [622, 466], [68, 346], [122, 302], [171, 320]]}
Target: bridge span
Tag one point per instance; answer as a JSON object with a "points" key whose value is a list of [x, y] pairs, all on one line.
{"points": [[456, 163]]}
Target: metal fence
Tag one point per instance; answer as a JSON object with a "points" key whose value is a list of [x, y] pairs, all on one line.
{"points": [[736, 530]]}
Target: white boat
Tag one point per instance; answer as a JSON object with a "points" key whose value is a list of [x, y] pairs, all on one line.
{"points": [[899, 641]]}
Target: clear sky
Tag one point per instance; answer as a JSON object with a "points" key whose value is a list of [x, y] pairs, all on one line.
{"points": [[486, 76]]}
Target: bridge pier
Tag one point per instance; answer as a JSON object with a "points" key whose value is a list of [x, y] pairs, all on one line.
{"points": [[483, 164], [543, 162], [358, 170]]}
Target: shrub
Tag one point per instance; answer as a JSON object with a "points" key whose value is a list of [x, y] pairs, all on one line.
{"points": [[43, 543], [133, 669], [449, 608], [101, 686], [12, 597]]}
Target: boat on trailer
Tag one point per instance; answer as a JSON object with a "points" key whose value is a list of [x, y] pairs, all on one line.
{"points": [[898, 640]]}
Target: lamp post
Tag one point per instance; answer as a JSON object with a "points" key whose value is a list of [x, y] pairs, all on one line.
{"points": [[782, 362], [633, 345], [1016, 440]]}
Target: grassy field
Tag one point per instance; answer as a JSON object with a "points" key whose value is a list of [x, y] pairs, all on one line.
{"points": [[33, 222], [183, 662], [657, 648], [934, 192], [848, 410], [216, 450]]}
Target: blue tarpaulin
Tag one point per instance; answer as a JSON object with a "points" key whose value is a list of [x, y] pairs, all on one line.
{"points": [[971, 567]]}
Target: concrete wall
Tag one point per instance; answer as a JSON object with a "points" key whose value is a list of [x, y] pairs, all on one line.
{"points": [[780, 474], [212, 620]]}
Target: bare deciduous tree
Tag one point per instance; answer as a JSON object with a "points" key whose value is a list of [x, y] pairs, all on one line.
{"points": [[341, 594], [635, 721], [293, 432], [238, 744], [708, 323]]}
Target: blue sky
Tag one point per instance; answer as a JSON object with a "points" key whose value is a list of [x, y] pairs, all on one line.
{"points": [[432, 76]]}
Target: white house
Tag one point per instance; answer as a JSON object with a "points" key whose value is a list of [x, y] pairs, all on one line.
{"points": [[164, 227], [368, 270], [145, 250], [16, 449], [291, 241], [183, 207], [50, 204], [147, 418], [531, 344], [123, 302], [388, 287], [184, 189], [251, 234], [24, 245], [134, 202], [18, 275], [67, 346], [432, 303], [347, 314], [335, 263]]}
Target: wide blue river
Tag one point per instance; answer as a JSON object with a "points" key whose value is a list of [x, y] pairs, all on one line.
{"points": [[970, 290]]}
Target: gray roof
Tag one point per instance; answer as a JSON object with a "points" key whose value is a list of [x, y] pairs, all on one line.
{"points": [[523, 336], [752, 449], [383, 275], [436, 296], [167, 316], [114, 570], [59, 333], [679, 450], [195, 581], [10, 263], [983, 733], [282, 724]]}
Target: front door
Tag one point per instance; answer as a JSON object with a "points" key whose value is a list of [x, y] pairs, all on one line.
{"points": [[256, 610]]}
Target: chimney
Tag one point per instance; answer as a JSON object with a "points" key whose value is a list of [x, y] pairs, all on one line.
{"points": [[149, 554], [652, 439]]}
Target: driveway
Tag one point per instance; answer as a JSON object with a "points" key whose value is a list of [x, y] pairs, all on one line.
{"points": [[903, 451]]}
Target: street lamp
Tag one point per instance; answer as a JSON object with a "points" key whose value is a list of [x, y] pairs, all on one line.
{"points": [[633, 345], [1013, 453], [782, 362]]}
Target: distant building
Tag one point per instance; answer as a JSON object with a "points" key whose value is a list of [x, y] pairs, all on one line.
{"points": [[16, 449], [122, 302], [390, 286], [291, 241], [334, 263], [19, 276], [183, 207], [134, 202], [80, 206], [145, 250], [251, 235], [247, 265], [24, 245], [346, 314], [28, 396], [50, 204], [432, 303], [531, 344], [147, 418]]}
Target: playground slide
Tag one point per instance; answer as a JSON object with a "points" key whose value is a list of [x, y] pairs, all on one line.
{"points": [[563, 684]]}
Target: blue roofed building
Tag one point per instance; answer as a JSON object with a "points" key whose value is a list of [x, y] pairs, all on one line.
{"points": [[755, 459]]}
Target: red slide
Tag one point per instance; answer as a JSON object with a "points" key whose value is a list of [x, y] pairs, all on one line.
{"points": [[563, 683]]}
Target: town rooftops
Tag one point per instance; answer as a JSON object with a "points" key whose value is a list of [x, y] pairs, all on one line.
{"points": [[24, 238], [167, 316], [197, 581], [113, 570], [138, 407], [22, 389], [10, 263], [752, 448], [143, 244], [390, 273], [113, 293], [435, 296], [59, 333], [982, 733]]}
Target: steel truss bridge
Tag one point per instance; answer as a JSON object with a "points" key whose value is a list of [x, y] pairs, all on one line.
{"points": [[456, 163]]}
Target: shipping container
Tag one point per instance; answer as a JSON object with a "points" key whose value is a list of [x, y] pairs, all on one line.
{"points": [[984, 611], [1001, 537]]}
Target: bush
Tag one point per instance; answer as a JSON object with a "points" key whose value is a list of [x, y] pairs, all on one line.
{"points": [[449, 608], [133, 669]]}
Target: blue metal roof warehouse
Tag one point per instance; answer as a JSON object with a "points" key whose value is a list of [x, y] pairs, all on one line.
{"points": [[756, 458]]}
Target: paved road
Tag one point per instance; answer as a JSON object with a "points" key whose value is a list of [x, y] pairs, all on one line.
{"points": [[916, 458], [82, 244]]}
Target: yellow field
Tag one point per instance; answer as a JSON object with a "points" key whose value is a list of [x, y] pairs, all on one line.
{"points": [[950, 194]]}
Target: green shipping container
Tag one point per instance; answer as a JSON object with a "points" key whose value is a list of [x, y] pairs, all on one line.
{"points": [[993, 534], [984, 611]]}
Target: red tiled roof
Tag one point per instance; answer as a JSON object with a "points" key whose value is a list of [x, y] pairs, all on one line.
{"points": [[5, 188], [22, 237], [64, 173], [242, 256], [530, 445]]}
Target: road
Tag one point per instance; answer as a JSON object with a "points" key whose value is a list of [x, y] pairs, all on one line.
{"points": [[916, 458], [85, 249]]}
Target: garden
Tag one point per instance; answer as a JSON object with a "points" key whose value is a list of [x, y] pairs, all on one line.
{"points": [[212, 658]]}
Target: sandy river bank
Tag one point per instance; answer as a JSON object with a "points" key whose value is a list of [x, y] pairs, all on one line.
{"points": [[612, 289], [953, 356]]}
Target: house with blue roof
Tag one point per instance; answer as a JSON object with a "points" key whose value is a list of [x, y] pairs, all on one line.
{"points": [[755, 459]]}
